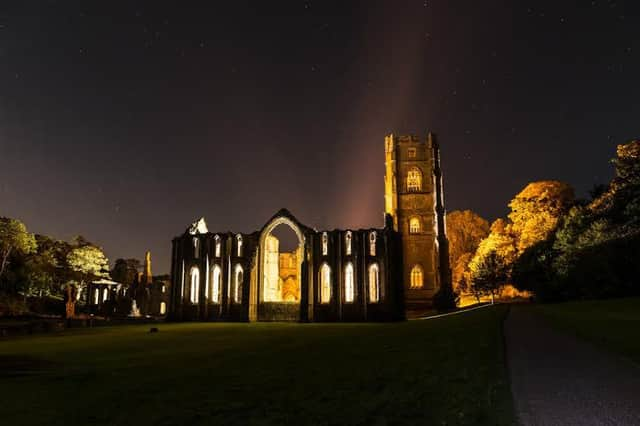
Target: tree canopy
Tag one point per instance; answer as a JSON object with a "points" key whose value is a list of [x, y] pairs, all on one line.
{"points": [[14, 239]]}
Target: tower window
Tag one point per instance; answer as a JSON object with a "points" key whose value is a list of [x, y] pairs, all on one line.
{"points": [[372, 243], [417, 279], [325, 244], [411, 152], [414, 180], [414, 225], [347, 242], [325, 284], [349, 286]]}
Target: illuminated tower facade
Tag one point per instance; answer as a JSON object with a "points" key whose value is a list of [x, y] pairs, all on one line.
{"points": [[415, 203]]}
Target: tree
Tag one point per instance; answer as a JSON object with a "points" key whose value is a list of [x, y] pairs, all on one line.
{"points": [[125, 271], [536, 211], [14, 240], [84, 263], [489, 275], [465, 230], [45, 267]]}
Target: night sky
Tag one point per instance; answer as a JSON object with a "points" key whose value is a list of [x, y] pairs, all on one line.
{"points": [[126, 121]]}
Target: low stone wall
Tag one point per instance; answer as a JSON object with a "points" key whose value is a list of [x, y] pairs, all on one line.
{"points": [[274, 311], [23, 328]]}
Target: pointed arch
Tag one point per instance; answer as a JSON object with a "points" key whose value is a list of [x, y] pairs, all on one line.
{"points": [[374, 283]]}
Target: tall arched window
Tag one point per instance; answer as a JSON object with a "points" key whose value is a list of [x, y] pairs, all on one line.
{"points": [[207, 283], [374, 283], [372, 243], [196, 247], [105, 294], [218, 245], [96, 296], [216, 282], [195, 285], [239, 244], [182, 281], [237, 284], [414, 225], [325, 284], [163, 308], [325, 244], [417, 279], [347, 242], [349, 287], [414, 180]]}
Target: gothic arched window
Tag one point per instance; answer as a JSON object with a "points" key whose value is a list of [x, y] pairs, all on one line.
{"points": [[414, 180], [195, 285], [163, 308], [218, 245], [237, 284], [216, 276], [196, 247], [374, 283], [325, 244], [417, 277], [349, 285], [325, 283], [347, 242], [414, 225], [239, 244], [372, 243]]}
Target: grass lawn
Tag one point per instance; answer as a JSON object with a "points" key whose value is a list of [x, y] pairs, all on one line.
{"points": [[442, 371], [612, 324]]}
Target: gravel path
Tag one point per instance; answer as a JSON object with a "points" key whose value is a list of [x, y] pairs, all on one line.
{"points": [[557, 379]]}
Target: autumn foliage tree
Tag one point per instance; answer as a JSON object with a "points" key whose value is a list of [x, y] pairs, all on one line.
{"points": [[465, 230], [535, 215]]}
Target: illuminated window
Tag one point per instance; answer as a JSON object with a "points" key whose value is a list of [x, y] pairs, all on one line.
{"points": [[374, 283], [237, 284], [239, 244], [196, 247], [417, 277], [164, 289], [163, 308], [414, 225], [347, 242], [105, 294], [411, 152], [207, 282], [325, 284], [195, 285], [349, 290], [216, 274], [414, 180], [96, 296], [372, 243], [218, 245], [325, 244], [182, 281]]}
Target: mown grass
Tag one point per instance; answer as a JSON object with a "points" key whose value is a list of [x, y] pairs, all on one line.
{"points": [[611, 324], [443, 371]]}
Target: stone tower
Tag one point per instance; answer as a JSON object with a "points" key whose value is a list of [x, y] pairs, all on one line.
{"points": [[147, 277], [414, 200]]}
